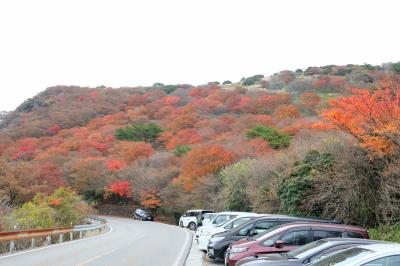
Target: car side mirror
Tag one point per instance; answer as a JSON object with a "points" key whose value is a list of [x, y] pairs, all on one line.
{"points": [[252, 232], [279, 243]]}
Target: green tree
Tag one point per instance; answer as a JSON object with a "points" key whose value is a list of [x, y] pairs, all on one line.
{"points": [[298, 184], [396, 67], [142, 132], [275, 139], [234, 179]]}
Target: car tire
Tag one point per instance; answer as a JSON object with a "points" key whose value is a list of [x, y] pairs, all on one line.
{"points": [[181, 224], [192, 226]]}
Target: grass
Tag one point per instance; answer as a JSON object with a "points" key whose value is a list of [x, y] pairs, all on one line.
{"points": [[389, 233]]}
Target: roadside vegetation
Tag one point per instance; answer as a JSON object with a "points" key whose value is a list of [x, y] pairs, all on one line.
{"points": [[62, 208], [318, 142]]}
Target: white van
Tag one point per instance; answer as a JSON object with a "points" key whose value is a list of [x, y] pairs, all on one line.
{"points": [[189, 218]]}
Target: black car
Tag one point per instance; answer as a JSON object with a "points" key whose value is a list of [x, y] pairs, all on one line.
{"points": [[306, 254], [220, 242], [142, 215]]}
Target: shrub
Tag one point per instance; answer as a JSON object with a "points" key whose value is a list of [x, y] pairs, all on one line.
{"points": [[142, 132], [63, 208], [386, 233], [275, 139], [180, 150]]}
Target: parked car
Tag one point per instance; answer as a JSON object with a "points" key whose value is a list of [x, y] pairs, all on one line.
{"points": [[220, 242], [387, 254], [306, 254], [207, 217], [208, 231], [220, 218], [189, 218], [142, 215], [287, 237]]}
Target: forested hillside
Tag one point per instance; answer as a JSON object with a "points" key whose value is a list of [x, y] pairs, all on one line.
{"points": [[323, 141]]}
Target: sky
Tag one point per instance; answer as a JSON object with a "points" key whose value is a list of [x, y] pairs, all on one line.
{"points": [[129, 43]]}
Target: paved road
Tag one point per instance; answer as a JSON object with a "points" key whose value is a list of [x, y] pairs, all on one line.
{"points": [[129, 242]]}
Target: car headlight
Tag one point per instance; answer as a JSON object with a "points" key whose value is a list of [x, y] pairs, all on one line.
{"points": [[238, 250], [216, 239]]}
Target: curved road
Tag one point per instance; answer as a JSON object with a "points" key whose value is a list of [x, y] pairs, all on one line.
{"points": [[129, 242]]}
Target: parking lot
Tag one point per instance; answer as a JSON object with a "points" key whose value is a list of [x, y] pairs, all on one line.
{"points": [[199, 258]]}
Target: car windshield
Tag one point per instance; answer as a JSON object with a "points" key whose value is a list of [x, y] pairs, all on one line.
{"points": [[309, 249], [345, 257]]}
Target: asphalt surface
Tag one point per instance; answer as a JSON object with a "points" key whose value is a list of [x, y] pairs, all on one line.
{"points": [[129, 242]]}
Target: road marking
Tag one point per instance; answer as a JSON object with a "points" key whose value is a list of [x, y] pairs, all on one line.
{"points": [[96, 257], [189, 237], [56, 245]]}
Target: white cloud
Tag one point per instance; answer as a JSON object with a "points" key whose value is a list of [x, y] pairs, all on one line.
{"points": [[118, 43]]}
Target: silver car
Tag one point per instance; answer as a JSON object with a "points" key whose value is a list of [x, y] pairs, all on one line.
{"points": [[366, 255]]}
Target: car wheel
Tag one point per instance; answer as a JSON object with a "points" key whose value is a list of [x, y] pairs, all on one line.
{"points": [[181, 224], [192, 226]]}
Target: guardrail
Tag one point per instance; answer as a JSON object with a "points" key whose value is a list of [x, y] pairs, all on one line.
{"points": [[96, 224]]}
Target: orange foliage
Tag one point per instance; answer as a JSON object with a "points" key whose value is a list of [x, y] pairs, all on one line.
{"points": [[371, 117], [150, 199], [122, 188], [185, 136], [286, 111], [131, 151], [310, 100], [114, 165], [172, 100], [204, 160]]}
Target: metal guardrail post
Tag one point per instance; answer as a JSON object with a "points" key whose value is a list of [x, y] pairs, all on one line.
{"points": [[71, 236], [33, 242], [61, 238], [12, 244], [80, 234]]}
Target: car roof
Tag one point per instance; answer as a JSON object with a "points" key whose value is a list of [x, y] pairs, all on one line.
{"points": [[199, 210], [382, 247], [237, 213], [351, 240], [317, 224]]}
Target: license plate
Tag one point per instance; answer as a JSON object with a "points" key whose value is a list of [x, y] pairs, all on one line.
{"points": [[211, 251]]}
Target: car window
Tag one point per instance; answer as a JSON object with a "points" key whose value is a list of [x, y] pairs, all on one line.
{"points": [[354, 235], [343, 258], [271, 240], [261, 227], [236, 223], [320, 234], [221, 219], [296, 238], [245, 230], [329, 251], [386, 261]]}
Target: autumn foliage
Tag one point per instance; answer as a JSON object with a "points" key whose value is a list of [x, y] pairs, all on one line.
{"points": [[373, 118]]}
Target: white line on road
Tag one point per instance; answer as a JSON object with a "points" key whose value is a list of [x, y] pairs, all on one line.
{"points": [[56, 245], [182, 251], [96, 257]]}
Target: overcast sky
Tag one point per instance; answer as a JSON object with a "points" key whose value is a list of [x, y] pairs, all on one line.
{"points": [[128, 43]]}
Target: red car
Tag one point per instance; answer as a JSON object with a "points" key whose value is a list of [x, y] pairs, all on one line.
{"points": [[287, 237]]}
